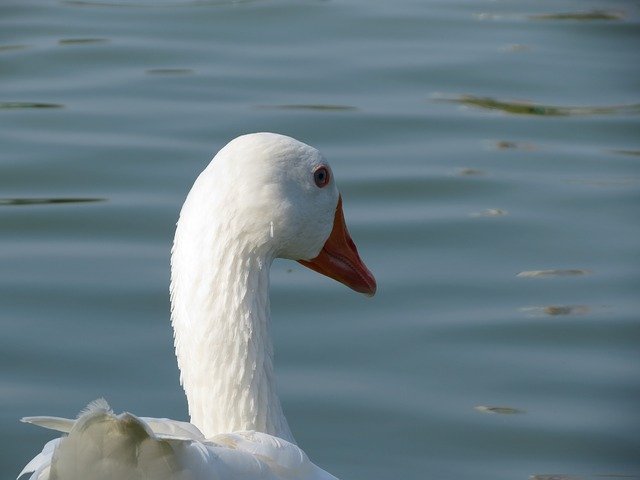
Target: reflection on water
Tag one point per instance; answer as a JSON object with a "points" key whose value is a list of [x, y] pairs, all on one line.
{"points": [[8, 48], [319, 107], [509, 145], [555, 310], [491, 212], [156, 4], [5, 202], [81, 41], [471, 172], [586, 16], [634, 153], [26, 105], [608, 182], [554, 476], [574, 272], [169, 71], [529, 108], [583, 16], [498, 410]]}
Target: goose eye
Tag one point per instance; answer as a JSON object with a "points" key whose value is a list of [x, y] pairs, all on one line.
{"points": [[321, 176]]}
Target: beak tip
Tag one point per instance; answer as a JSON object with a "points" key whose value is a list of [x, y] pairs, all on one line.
{"points": [[371, 288], [339, 259]]}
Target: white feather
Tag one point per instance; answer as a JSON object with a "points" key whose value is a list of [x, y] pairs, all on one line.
{"points": [[105, 446], [254, 202]]}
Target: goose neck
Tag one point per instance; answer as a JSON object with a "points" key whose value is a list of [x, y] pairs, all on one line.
{"points": [[221, 319]]}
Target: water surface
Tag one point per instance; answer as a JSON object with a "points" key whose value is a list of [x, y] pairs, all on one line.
{"points": [[487, 153]]}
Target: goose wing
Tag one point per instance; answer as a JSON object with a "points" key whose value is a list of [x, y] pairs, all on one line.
{"points": [[104, 446]]}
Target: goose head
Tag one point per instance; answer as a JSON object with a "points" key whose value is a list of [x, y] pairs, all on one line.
{"points": [[262, 196], [279, 199]]}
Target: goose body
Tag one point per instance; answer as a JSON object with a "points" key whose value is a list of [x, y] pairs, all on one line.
{"points": [[263, 196]]}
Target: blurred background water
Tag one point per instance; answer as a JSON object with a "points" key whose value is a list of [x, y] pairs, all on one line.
{"points": [[488, 153]]}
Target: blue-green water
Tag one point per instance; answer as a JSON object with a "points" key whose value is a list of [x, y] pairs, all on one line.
{"points": [[472, 141]]}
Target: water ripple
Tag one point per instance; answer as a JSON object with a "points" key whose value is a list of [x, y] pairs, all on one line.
{"points": [[583, 16], [10, 48], [530, 108], [169, 71], [510, 145], [553, 476], [491, 212], [498, 410], [26, 105], [318, 107], [558, 310], [575, 272], [81, 41], [633, 153], [12, 202], [171, 4]]}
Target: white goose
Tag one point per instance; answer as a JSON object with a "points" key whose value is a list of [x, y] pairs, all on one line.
{"points": [[263, 196]]}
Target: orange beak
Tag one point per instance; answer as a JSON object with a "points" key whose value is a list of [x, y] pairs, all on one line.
{"points": [[339, 259]]}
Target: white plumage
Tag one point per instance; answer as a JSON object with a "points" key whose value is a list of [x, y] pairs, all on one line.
{"points": [[103, 446], [260, 198]]}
